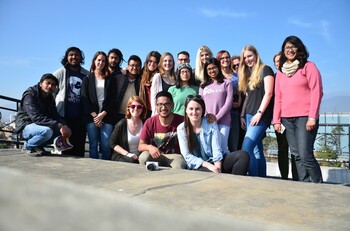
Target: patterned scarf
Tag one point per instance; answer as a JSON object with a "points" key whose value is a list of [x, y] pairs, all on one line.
{"points": [[290, 68]]}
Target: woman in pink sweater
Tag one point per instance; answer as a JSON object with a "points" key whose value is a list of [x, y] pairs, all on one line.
{"points": [[298, 94]]}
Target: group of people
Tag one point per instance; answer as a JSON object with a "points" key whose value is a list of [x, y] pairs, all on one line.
{"points": [[211, 118]]}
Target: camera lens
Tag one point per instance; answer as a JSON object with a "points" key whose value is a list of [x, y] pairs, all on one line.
{"points": [[151, 167]]}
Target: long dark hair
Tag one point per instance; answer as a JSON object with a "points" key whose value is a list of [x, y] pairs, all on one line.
{"points": [[207, 80], [302, 52], [105, 71], [64, 60], [190, 135], [191, 81]]}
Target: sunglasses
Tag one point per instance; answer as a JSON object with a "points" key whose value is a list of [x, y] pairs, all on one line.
{"points": [[235, 66], [132, 106], [190, 97]]}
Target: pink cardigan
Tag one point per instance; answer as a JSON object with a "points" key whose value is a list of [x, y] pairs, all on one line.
{"points": [[298, 95]]}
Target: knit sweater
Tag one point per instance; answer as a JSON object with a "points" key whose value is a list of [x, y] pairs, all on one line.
{"points": [[298, 95]]}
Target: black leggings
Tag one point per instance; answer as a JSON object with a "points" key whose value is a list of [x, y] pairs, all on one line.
{"points": [[236, 163]]}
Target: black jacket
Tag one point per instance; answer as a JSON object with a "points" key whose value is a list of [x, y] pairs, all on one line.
{"points": [[90, 102], [36, 109]]}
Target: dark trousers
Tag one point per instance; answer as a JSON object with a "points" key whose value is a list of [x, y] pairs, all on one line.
{"points": [[301, 144], [236, 163], [78, 138], [283, 159]]}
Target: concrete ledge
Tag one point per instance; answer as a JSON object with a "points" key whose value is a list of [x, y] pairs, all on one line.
{"points": [[104, 195]]}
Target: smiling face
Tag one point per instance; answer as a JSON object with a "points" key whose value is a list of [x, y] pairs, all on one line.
{"points": [[204, 56], [194, 111], [74, 58], [48, 86], [135, 109], [212, 71], [290, 51], [185, 74], [249, 58], [100, 62], [168, 63], [164, 106], [152, 63], [225, 60]]}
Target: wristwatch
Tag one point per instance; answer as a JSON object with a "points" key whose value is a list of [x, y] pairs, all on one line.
{"points": [[260, 112]]}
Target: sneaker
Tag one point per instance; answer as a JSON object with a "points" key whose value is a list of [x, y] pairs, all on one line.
{"points": [[33, 152]]}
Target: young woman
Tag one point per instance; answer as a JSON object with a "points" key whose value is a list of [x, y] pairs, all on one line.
{"points": [[200, 143], [98, 96], [225, 65], [163, 80], [126, 134], [149, 69], [217, 93], [203, 54], [297, 103], [185, 85], [256, 80]]}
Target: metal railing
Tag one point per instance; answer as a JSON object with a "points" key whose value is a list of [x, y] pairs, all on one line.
{"points": [[16, 141]]}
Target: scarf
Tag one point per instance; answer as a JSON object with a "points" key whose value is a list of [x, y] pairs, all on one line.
{"points": [[290, 68]]}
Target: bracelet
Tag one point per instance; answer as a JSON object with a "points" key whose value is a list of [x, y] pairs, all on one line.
{"points": [[127, 153], [243, 117], [259, 112], [313, 119]]}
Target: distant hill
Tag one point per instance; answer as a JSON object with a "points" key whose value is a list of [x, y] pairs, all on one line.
{"points": [[335, 104]]}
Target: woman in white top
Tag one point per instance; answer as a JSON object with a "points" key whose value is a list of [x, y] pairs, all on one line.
{"points": [[163, 80], [126, 134]]}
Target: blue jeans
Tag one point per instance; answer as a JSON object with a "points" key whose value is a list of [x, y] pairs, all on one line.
{"points": [[301, 144], [224, 131], [252, 144], [234, 131], [101, 135], [37, 135]]}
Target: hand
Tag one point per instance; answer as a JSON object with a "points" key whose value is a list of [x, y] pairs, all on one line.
{"points": [[211, 118], [65, 131], [211, 167], [256, 119], [243, 123], [277, 127], [310, 124], [132, 156], [154, 152]]}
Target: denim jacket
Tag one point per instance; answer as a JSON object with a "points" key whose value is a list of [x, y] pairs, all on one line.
{"points": [[210, 149]]}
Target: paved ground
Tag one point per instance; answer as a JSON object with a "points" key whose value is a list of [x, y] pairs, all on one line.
{"points": [[65, 193]]}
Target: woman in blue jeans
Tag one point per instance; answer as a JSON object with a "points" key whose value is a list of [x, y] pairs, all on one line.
{"points": [[256, 80], [98, 96]]}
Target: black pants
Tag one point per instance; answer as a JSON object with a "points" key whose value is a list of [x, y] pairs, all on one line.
{"points": [[236, 163], [78, 138], [283, 159]]}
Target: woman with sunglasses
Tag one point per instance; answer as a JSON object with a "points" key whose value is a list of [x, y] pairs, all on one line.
{"points": [[217, 93], [126, 134], [200, 143], [185, 85]]}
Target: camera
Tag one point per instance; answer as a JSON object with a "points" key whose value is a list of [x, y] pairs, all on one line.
{"points": [[152, 166]]}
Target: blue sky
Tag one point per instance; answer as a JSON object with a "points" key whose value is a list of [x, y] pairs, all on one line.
{"points": [[35, 34]]}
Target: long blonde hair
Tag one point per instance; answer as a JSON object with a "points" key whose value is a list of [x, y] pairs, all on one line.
{"points": [[249, 77], [199, 69], [160, 65]]}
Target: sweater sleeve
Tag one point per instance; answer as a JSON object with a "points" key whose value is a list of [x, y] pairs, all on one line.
{"points": [[228, 101], [278, 100], [316, 90]]}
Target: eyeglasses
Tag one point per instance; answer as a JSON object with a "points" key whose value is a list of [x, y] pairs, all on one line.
{"points": [[160, 105], [226, 57], [212, 68], [134, 66], [183, 60], [184, 71], [132, 106], [235, 66], [291, 48], [191, 97]]}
